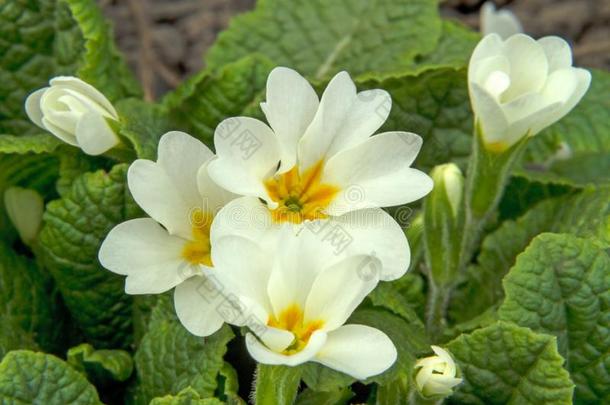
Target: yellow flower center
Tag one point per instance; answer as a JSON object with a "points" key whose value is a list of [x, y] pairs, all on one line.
{"points": [[300, 196], [291, 319], [198, 250]]}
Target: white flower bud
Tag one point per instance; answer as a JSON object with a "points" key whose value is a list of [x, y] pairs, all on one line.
{"points": [[501, 22], [75, 112], [24, 208], [437, 374], [519, 86], [450, 178]]}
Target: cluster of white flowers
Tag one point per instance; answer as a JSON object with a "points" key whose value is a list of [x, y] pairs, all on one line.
{"points": [[282, 230]]}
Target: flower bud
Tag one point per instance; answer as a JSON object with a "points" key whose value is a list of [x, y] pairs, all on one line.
{"points": [[24, 208], [75, 112], [449, 178], [437, 375], [520, 86], [501, 22]]}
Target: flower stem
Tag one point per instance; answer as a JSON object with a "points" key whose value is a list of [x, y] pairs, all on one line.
{"points": [[488, 174], [276, 385], [436, 308]]}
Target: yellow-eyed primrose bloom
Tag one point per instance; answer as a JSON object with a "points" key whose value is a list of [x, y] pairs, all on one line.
{"points": [[164, 251], [519, 86], [502, 22], [296, 299], [75, 112], [436, 376], [317, 161]]}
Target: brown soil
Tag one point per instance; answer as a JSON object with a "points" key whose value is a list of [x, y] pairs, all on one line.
{"points": [[164, 40]]}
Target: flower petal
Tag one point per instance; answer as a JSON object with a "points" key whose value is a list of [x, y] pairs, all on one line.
{"points": [[491, 45], [149, 257], [374, 232], [214, 196], [558, 52], [86, 89], [32, 106], [196, 301], [167, 190], [358, 350], [291, 105], [264, 355], [248, 152], [502, 22], [528, 63], [339, 289], [242, 268], [376, 173], [94, 135], [488, 113]]}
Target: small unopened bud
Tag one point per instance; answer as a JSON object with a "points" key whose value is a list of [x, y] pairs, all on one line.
{"points": [[24, 208], [448, 177], [436, 375]]}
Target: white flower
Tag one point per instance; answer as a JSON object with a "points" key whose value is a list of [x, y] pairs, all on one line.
{"points": [[75, 112], [501, 22], [159, 253], [520, 86], [437, 374], [24, 208], [450, 178], [318, 160], [296, 299]]}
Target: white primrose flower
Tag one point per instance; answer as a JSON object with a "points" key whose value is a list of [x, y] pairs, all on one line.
{"points": [[75, 112], [296, 299], [520, 86], [502, 22], [317, 161], [436, 375], [159, 253], [24, 208]]}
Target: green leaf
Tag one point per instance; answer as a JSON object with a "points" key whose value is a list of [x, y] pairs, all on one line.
{"points": [[187, 396], [102, 366], [560, 286], [36, 378], [586, 214], [228, 385], [404, 297], [203, 101], [435, 106], [46, 38], [340, 396], [170, 359], [74, 229], [13, 337], [321, 378], [586, 131], [452, 50], [508, 364], [37, 143], [27, 300], [143, 124], [322, 37], [276, 385]]}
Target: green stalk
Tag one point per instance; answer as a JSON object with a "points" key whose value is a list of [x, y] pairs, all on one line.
{"points": [[488, 174], [276, 385]]}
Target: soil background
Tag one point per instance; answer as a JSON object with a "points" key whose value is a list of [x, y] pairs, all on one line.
{"points": [[165, 40]]}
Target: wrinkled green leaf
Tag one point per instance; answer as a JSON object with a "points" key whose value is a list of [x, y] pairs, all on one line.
{"points": [[586, 214], [46, 38], [36, 378], [322, 37], [27, 301], [74, 229], [508, 364], [586, 131], [187, 396], [102, 366], [203, 101], [170, 359], [13, 337], [404, 297], [560, 286], [36, 143]]}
